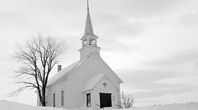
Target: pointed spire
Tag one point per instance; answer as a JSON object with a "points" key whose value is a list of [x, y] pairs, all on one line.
{"points": [[89, 39], [87, 5], [88, 27]]}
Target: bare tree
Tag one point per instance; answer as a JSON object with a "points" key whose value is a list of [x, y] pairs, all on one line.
{"points": [[127, 100], [37, 59]]}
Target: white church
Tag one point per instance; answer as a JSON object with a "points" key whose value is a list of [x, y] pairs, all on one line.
{"points": [[87, 83]]}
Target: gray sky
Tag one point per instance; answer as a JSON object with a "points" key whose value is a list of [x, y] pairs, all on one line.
{"points": [[151, 44]]}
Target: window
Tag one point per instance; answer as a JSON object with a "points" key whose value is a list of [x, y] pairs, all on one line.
{"points": [[93, 42], [54, 99], [88, 100], [62, 98], [84, 43]]}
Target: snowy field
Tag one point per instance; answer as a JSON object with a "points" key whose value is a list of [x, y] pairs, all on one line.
{"points": [[186, 106], [6, 105]]}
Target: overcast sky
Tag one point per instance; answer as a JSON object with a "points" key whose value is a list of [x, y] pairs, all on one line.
{"points": [[151, 44]]}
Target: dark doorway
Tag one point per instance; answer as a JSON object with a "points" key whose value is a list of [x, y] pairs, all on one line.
{"points": [[105, 100]]}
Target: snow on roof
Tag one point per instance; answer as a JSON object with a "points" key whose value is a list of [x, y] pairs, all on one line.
{"points": [[64, 72], [93, 81]]}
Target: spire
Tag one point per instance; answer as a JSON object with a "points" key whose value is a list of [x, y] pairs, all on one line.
{"points": [[87, 5], [88, 27], [89, 39]]}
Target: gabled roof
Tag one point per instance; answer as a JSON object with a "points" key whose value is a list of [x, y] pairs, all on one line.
{"points": [[93, 81], [116, 76], [63, 73]]}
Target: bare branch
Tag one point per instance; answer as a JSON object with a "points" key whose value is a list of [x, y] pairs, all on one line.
{"points": [[38, 58], [127, 100]]}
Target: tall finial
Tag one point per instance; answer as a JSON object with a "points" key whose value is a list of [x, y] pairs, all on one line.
{"points": [[88, 27], [87, 5]]}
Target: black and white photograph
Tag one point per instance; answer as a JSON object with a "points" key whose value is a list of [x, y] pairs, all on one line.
{"points": [[99, 54]]}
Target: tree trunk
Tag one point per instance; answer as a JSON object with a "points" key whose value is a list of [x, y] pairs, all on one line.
{"points": [[43, 98]]}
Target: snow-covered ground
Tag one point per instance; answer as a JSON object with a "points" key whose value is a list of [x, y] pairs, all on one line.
{"points": [[185, 106], [6, 105]]}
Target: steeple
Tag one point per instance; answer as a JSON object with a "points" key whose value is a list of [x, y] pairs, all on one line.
{"points": [[88, 27], [89, 40]]}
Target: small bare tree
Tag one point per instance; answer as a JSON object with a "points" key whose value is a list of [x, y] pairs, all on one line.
{"points": [[127, 100], [37, 59]]}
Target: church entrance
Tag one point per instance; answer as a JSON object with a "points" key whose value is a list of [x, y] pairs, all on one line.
{"points": [[105, 100]]}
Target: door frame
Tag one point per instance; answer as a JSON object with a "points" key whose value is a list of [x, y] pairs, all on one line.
{"points": [[110, 104]]}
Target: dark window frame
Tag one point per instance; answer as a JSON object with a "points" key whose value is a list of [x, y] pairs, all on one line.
{"points": [[62, 98], [54, 100], [88, 96]]}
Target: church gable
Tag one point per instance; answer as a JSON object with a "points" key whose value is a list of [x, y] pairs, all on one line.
{"points": [[96, 80], [85, 69], [93, 82], [92, 66], [111, 71], [104, 87]]}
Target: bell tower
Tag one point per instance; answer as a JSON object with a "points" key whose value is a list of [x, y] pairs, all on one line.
{"points": [[89, 40]]}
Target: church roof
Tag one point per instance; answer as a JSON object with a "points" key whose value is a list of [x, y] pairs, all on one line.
{"points": [[93, 81], [67, 71], [63, 73]]}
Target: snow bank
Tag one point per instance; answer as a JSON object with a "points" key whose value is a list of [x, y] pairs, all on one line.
{"points": [[6, 105], [186, 106]]}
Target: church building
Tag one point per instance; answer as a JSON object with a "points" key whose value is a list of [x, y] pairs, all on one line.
{"points": [[87, 83]]}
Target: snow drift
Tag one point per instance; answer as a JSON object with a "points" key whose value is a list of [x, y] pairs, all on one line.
{"points": [[6, 105], [185, 106]]}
